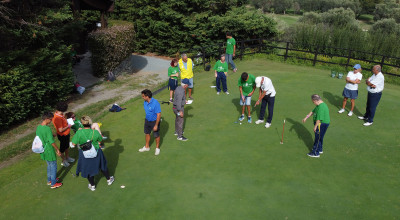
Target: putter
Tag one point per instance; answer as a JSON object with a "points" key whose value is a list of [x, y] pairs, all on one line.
{"points": [[164, 102], [283, 130]]}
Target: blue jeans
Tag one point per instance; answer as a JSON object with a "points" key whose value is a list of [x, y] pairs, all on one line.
{"points": [[221, 77], [372, 103], [319, 138], [229, 59], [51, 171], [270, 101]]}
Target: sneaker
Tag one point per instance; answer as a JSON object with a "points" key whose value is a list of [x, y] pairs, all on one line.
{"points": [[143, 149], [350, 113], [249, 119], [70, 159], [312, 155], [267, 125], [111, 180], [241, 118], [190, 97], [341, 111], [157, 151], [217, 93], [56, 185], [259, 122], [362, 118], [49, 183], [102, 146], [176, 134], [367, 123], [171, 100], [65, 163], [321, 152], [227, 92], [182, 139], [93, 188], [234, 70], [104, 137]]}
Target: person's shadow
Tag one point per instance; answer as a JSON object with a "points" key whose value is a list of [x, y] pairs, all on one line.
{"points": [[112, 156], [337, 101], [164, 127], [186, 115], [302, 133], [63, 171]]}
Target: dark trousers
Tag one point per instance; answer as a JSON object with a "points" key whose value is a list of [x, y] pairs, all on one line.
{"points": [[178, 123], [221, 77], [105, 173], [270, 101], [372, 103], [319, 138]]}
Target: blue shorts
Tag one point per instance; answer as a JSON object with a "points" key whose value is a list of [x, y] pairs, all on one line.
{"points": [[351, 94], [172, 84]]}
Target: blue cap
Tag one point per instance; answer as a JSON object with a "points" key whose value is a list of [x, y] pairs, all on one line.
{"points": [[357, 66], [186, 81]]}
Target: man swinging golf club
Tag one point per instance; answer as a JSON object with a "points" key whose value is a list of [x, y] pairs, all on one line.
{"points": [[267, 96]]}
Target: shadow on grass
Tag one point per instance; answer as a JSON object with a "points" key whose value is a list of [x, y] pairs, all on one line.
{"points": [[338, 101], [302, 133], [63, 171], [164, 127], [112, 156], [236, 102]]}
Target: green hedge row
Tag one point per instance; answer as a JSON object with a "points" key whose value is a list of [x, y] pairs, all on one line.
{"points": [[110, 47]]}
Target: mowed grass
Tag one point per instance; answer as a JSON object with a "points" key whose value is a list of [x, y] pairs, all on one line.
{"points": [[231, 171]]}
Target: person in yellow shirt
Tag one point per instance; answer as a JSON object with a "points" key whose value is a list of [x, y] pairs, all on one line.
{"points": [[186, 68]]}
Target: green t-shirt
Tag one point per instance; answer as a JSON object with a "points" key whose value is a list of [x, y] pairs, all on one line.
{"points": [[221, 67], [247, 86], [172, 71], [229, 45], [77, 125], [46, 136], [321, 112], [83, 135]]}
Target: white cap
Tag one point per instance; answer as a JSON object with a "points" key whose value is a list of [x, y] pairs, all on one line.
{"points": [[258, 81]]}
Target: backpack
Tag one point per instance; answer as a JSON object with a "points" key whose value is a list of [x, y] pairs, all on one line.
{"points": [[115, 108], [37, 145]]}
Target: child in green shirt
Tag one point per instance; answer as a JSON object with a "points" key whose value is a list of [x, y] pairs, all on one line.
{"points": [[221, 71]]}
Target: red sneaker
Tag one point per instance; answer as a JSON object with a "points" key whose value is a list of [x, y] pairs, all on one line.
{"points": [[56, 185], [49, 183]]}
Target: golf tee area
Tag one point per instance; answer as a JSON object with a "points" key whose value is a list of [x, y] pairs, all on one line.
{"points": [[228, 170]]}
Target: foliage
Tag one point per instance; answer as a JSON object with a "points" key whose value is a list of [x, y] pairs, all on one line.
{"points": [[388, 9], [110, 47]]}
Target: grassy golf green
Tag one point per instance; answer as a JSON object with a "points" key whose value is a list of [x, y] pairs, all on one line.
{"points": [[227, 170]]}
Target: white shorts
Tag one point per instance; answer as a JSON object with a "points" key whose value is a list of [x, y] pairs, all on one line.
{"points": [[247, 100]]}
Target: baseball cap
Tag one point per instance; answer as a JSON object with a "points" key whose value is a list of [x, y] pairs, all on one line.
{"points": [[258, 81], [357, 66], [186, 81]]}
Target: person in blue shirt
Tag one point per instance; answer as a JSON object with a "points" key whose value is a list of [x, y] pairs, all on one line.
{"points": [[152, 120]]}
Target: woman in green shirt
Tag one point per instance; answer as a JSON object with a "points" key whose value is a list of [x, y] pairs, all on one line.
{"points": [[173, 74], [89, 167]]}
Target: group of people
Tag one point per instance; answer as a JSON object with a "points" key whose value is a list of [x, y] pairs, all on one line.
{"points": [[85, 132]]}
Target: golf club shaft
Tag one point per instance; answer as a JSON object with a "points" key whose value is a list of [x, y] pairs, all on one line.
{"points": [[283, 130]]}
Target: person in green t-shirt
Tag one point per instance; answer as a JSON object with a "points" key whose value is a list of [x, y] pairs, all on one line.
{"points": [[230, 50], [221, 71], [247, 85], [50, 149], [173, 74], [321, 123]]}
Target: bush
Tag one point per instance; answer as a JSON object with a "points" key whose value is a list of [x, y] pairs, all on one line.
{"points": [[110, 47]]}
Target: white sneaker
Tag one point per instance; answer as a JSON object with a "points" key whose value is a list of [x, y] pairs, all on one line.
{"points": [[267, 125], [70, 159], [217, 93], [143, 149], [111, 180], [341, 111], [65, 163], [350, 113], [227, 92], [361, 118], [367, 123], [93, 188], [259, 122], [157, 151]]}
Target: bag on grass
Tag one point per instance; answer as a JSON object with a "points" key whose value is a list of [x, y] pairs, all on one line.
{"points": [[115, 108], [88, 149], [37, 145]]}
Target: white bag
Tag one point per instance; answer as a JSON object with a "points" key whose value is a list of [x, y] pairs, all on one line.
{"points": [[92, 153], [37, 145]]}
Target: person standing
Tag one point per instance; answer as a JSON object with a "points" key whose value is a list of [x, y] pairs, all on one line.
{"points": [[375, 87], [267, 95], [63, 129], [186, 67], [321, 123], [221, 72], [173, 74], [178, 108], [247, 85], [152, 121], [351, 89], [230, 50], [50, 149]]}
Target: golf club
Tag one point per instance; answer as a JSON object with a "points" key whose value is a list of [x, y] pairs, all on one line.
{"points": [[283, 130], [164, 102]]}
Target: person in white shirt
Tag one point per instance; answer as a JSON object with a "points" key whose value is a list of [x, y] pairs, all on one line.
{"points": [[351, 89], [267, 95], [375, 87]]}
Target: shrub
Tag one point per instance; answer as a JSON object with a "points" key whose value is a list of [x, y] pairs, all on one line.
{"points": [[110, 47]]}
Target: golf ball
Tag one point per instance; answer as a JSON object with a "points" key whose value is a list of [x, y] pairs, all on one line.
{"points": [[240, 122], [122, 186]]}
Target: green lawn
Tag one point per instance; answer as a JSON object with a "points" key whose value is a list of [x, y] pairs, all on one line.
{"points": [[231, 171]]}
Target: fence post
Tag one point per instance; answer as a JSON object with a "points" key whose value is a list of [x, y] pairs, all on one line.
{"points": [[241, 49], [348, 58], [315, 56], [287, 50], [382, 62]]}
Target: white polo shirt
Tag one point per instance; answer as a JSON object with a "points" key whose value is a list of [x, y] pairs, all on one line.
{"points": [[267, 86], [379, 81], [352, 76]]}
